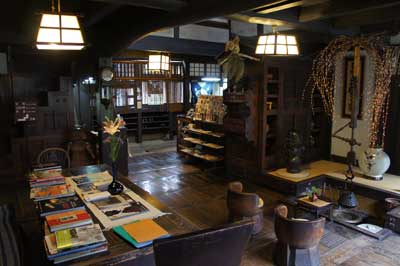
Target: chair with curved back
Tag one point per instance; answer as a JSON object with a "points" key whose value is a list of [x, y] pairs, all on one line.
{"points": [[220, 246], [53, 156], [298, 239], [245, 205]]}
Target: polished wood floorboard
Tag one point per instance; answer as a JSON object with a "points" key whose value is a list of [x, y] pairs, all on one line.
{"points": [[198, 195]]}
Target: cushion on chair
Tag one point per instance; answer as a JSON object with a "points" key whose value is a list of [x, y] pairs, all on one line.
{"points": [[260, 202], [9, 251]]}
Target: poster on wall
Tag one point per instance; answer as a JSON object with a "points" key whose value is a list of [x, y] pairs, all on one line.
{"points": [[201, 88], [347, 93]]}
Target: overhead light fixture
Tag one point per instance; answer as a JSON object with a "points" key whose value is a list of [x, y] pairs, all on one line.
{"points": [[159, 62], [59, 31], [211, 79], [277, 44]]}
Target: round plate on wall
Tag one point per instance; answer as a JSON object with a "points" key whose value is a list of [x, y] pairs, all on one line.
{"points": [[107, 74]]}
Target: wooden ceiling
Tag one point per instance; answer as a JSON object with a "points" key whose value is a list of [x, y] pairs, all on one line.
{"points": [[112, 25]]}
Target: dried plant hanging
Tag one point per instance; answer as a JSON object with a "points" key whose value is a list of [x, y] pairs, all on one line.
{"points": [[385, 68], [384, 59]]}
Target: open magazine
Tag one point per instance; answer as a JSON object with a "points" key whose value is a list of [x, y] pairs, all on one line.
{"points": [[120, 206]]}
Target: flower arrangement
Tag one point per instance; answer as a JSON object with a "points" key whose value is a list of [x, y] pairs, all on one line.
{"points": [[314, 193], [111, 127]]}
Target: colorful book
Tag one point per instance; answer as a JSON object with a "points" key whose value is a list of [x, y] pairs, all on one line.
{"points": [[52, 252], [68, 219], [145, 230], [59, 205], [51, 192], [79, 236]]}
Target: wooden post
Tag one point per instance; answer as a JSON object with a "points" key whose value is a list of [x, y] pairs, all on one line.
{"points": [[355, 87]]}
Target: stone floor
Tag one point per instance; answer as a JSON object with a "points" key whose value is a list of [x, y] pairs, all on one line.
{"points": [[195, 193]]}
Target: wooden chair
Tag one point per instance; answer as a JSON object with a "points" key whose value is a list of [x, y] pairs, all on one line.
{"points": [[222, 246], [54, 156], [297, 239], [245, 205]]}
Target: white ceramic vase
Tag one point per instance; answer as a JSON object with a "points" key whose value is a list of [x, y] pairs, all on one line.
{"points": [[374, 162]]}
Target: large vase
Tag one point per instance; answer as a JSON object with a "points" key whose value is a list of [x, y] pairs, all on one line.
{"points": [[115, 187], [374, 162]]}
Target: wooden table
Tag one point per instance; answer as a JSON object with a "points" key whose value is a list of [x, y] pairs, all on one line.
{"points": [[317, 207], [120, 252]]}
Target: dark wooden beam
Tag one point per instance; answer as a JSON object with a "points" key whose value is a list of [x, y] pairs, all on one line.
{"points": [[369, 17], [289, 19], [282, 5], [178, 46], [338, 8], [125, 31], [102, 13], [214, 24], [168, 5]]}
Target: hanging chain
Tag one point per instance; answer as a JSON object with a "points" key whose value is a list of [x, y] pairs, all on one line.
{"points": [[53, 9]]}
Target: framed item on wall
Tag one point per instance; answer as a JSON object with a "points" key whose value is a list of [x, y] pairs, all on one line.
{"points": [[347, 105]]}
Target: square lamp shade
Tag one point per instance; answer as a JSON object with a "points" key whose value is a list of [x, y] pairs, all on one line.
{"points": [[277, 44], [59, 32], [159, 62]]}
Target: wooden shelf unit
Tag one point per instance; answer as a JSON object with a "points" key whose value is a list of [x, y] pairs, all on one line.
{"points": [[273, 107], [202, 140], [148, 101]]}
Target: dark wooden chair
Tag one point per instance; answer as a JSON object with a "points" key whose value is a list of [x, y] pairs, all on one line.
{"points": [[297, 239], [222, 246], [53, 156], [245, 205]]}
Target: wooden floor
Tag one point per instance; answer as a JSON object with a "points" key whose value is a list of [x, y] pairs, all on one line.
{"points": [[198, 195]]}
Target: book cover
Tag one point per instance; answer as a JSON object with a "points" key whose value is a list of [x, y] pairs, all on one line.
{"points": [[145, 230], [66, 218], [52, 252], [79, 236], [41, 193], [88, 188], [81, 180], [131, 208], [111, 202], [53, 206], [122, 233], [45, 175]]}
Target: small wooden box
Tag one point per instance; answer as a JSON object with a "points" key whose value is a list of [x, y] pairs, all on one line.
{"points": [[392, 220]]}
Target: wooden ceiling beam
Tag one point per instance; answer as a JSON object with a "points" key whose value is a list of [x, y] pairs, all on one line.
{"points": [[282, 5], [339, 8], [291, 21], [167, 5], [370, 17]]}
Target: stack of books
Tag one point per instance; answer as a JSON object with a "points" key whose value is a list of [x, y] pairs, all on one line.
{"points": [[141, 233], [43, 178], [74, 243]]}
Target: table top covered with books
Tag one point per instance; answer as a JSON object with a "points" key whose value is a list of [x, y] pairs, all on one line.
{"points": [[107, 225]]}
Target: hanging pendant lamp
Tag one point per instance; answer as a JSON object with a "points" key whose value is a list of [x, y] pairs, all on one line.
{"points": [[277, 44], [159, 62], [59, 31]]}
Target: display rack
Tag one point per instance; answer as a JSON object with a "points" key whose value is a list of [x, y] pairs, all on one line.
{"points": [[200, 139]]}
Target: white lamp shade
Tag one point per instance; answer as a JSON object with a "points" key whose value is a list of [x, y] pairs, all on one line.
{"points": [[59, 32], [277, 44], [159, 62]]}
